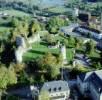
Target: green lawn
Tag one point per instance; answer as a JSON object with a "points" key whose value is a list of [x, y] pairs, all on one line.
{"points": [[39, 49]]}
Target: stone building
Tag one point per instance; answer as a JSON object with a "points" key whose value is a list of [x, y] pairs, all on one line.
{"points": [[90, 84]]}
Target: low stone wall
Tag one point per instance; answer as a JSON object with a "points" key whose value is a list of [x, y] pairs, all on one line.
{"points": [[19, 53]]}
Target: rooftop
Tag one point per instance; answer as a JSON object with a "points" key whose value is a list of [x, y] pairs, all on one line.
{"points": [[85, 76], [55, 86], [95, 78], [96, 81]]}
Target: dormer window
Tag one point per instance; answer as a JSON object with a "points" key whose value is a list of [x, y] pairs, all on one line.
{"points": [[59, 88], [49, 90], [54, 89]]}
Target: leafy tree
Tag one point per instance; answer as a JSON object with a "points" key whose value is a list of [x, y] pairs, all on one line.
{"points": [[7, 77], [66, 42], [50, 39], [23, 77], [22, 29], [14, 22], [50, 64], [46, 61], [71, 41], [54, 24], [98, 65], [34, 27], [44, 95], [42, 78], [54, 72], [89, 47], [59, 60], [78, 43], [31, 80], [18, 67]]}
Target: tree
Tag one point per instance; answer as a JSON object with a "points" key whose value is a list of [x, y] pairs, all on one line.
{"points": [[89, 47], [7, 77], [50, 39], [44, 95], [77, 43], [14, 22], [54, 24], [59, 60], [18, 67], [34, 27], [71, 41], [23, 77], [46, 61], [22, 29], [50, 64], [54, 72], [42, 78]]}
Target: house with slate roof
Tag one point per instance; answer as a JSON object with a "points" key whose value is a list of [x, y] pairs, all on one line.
{"points": [[58, 90], [99, 45], [90, 32], [90, 84]]}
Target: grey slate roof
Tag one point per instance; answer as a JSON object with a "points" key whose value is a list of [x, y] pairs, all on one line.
{"points": [[95, 78], [55, 86], [96, 81], [82, 76]]}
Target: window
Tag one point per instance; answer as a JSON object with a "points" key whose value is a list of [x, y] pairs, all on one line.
{"points": [[49, 90], [59, 88], [54, 89]]}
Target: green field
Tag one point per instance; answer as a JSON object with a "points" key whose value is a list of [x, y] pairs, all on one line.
{"points": [[16, 13], [11, 13], [39, 49], [59, 9], [3, 22]]}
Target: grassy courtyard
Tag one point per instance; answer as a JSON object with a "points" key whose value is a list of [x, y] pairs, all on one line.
{"points": [[39, 49]]}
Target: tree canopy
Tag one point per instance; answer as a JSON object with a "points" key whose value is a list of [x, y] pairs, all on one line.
{"points": [[55, 23], [7, 77], [44, 95]]}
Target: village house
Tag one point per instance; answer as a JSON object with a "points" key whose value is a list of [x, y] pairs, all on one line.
{"points": [[99, 45], [79, 30], [90, 84], [90, 32], [58, 90]]}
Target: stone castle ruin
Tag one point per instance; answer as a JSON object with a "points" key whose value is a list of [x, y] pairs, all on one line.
{"points": [[63, 53], [23, 45]]}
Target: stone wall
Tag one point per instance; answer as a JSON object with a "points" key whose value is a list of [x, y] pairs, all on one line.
{"points": [[22, 46]]}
